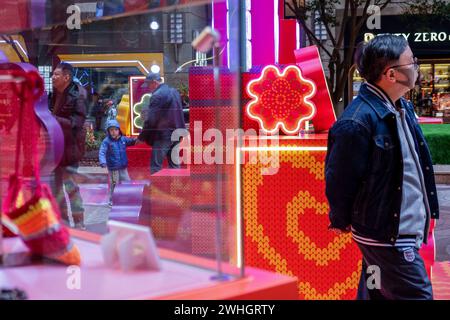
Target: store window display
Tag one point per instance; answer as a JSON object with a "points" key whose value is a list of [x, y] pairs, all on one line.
{"points": [[105, 53], [434, 91], [29, 208]]}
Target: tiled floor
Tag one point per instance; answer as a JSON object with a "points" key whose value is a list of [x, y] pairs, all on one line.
{"points": [[441, 280]]}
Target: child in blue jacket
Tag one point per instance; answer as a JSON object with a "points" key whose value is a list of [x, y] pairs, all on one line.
{"points": [[113, 155]]}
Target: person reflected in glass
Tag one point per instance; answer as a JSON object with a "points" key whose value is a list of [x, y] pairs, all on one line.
{"points": [[111, 113], [68, 105], [113, 155], [163, 116]]}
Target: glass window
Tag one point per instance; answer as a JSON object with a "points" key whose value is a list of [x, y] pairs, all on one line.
{"points": [[442, 86], [431, 96], [357, 81], [185, 195]]}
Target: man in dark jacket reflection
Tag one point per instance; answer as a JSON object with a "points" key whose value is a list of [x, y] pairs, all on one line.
{"points": [[68, 105], [163, 116]]}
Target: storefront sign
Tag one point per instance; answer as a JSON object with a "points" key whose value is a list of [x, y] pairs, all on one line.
{"points": [[427, 35], [417, 36]]}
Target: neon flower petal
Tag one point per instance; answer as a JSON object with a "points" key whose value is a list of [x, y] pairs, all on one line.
{"points": [[281, 100]]}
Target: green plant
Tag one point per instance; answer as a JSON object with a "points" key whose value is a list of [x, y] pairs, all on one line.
{"points": [[184, 93], [94, 139], [438, 139]]}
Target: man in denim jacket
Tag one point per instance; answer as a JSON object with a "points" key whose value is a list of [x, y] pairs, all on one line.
{"points": [[379, 174]]}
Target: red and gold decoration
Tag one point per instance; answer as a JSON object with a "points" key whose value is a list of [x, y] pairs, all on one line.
{"points": [[281, 100], [284, 204], [286, 222]]}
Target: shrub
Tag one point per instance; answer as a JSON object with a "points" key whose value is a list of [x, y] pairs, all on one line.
{"points": [[438, 139], [94, 139]]}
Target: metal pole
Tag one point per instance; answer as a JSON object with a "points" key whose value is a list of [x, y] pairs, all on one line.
{"points": [[219, 175], [242, 67]]}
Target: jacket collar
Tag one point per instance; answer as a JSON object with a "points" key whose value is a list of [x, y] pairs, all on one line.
{"points": [[73, 89], [159, 87], [377, 99]]}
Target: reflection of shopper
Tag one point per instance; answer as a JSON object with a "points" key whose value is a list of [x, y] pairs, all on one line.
{"points": [[379, 174], [97, 111], [68, 104], [111, 113], [164, 115], [113, 155]]}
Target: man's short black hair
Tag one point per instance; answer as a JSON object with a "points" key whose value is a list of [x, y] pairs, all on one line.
{"points": [[66, 68], [373, 57]]}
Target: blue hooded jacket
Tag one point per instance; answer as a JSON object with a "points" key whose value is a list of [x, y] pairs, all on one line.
{"points": [[113, 152]]}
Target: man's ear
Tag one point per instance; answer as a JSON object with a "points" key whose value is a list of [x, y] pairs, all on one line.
{"points": [[391, 75]]}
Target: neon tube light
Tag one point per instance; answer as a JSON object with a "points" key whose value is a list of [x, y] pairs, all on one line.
{"points": [[277, 30], [265, 106], [239, 191], [18, 44], [284, 148], [239, 243], [132, 101], [110, 62]]}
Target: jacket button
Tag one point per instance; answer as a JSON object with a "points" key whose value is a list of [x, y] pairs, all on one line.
{"points": [[427, 168], [392, 239], [395, 215], [386, 144], [432, 193], [421, 143], [399, 188]]}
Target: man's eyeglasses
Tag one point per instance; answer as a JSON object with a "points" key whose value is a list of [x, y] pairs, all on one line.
{"points": [[415, 63]]}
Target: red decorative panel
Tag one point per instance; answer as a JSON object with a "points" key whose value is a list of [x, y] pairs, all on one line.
{"points": [[286, 224], [308, 59], [14, 16], [139, 162], [135, 5]]}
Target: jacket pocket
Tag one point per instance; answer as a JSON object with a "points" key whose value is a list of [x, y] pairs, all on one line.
{"points": [[383, 154]]}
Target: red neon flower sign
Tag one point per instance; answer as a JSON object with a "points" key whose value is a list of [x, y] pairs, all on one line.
{"points": [[281, 100]]}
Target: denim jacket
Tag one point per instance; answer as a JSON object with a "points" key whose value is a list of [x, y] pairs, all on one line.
{"points": [[364, 168]]}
